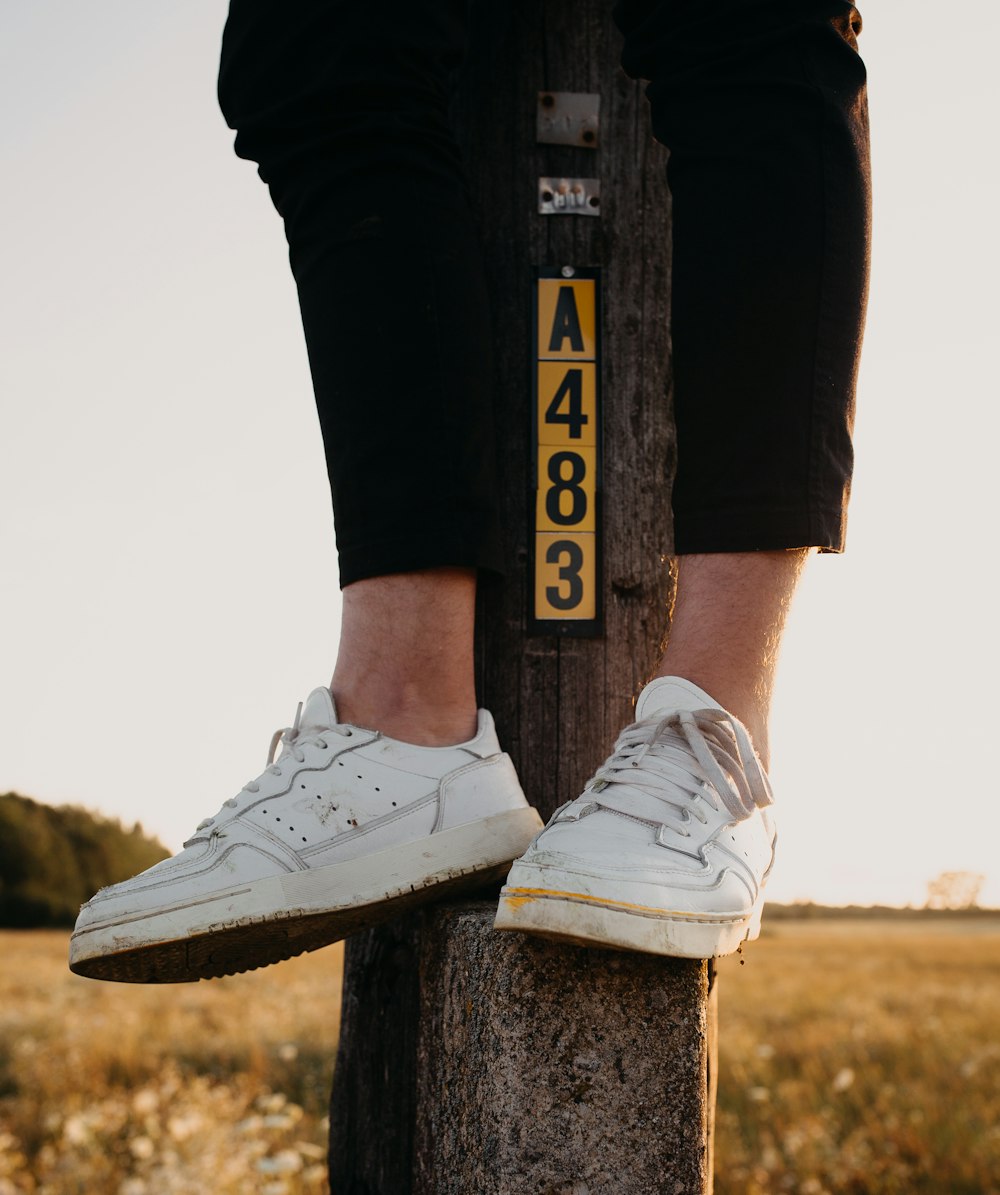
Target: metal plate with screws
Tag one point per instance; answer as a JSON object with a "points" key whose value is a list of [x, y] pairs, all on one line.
{"points": [[568, 118], [569, 196]]}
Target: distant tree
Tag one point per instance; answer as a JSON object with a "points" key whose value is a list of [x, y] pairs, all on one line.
{"points": [[955, 890], [53, 858]]}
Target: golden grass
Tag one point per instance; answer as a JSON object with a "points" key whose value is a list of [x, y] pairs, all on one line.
{"points": [[862, 1056], [120, 1089], [856, 1057]]}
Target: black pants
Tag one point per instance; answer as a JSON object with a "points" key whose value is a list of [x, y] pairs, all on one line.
{"points": [[344, 106]]}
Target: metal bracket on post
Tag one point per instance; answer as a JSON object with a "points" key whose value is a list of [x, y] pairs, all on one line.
{"points": [[568, 118], [569, 196]]}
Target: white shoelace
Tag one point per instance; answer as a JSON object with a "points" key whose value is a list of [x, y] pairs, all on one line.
{"points": [[726, 767], [291, 740]]}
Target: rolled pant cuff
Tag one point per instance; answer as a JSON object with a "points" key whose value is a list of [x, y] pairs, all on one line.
{"points": [[412, 553], [759, 531]]}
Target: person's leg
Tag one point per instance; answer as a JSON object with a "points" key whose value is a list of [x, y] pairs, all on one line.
{"points": [[405, 662], [762, 106], [402, 793], [345, 109], [726, 628]]}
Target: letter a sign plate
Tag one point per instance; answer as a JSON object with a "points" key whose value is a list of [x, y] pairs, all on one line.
{"points": [[566, 439]]}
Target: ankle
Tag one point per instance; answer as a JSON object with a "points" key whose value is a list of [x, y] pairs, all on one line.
{"points": [[410, 717], [726, 629], [405, 663]]}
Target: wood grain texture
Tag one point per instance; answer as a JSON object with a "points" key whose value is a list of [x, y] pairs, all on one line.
{"points": [[373, 1105], [556, 1070], [559, 703]]}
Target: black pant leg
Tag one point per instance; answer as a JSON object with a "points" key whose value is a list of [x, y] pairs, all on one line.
{"points": [[762, 105], [344, 106]]}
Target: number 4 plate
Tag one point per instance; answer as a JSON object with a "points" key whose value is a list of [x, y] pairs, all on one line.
{"points": [[566, 453]]}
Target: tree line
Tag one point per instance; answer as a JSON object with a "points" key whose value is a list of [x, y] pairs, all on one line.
{"points": [[53, 858]]}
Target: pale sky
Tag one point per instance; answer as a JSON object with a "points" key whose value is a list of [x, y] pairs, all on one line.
{"points": [[170, 591]]}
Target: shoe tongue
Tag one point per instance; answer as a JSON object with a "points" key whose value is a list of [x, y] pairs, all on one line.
{"points": [[668, 693], [319, 712]]}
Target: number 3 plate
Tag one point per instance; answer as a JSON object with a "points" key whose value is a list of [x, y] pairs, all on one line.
{"points": [[566, 450]]}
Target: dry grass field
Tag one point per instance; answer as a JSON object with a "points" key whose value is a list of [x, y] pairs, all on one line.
{"points": [[857, 1056], [862, 1056], [115, 1089]]}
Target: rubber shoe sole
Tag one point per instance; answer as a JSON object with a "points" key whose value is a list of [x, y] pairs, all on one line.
{"points": [[537, 906], [272, 919]]}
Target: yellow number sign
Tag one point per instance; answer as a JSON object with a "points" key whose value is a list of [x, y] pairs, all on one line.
{"points": [[567, 452]]}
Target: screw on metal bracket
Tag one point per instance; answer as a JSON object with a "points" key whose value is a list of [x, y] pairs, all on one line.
{"points": [[568, 118], [569, 196]]}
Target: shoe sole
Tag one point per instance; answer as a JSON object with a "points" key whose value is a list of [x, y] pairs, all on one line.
{"points": [[537, 907], [269, 920]]}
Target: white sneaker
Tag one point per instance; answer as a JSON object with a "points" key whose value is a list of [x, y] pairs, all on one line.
{"points": [[669, 846], [344, 830]]}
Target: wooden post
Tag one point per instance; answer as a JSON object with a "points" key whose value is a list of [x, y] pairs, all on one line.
{"points": [[555, 1070], [437, 1008]]}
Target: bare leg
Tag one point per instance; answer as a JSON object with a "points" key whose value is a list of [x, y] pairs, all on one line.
{"points": [[599, 873], [405, 664], [726, 629]]}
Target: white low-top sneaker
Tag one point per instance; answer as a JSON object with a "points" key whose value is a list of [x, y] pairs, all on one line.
{"points": [[667, 849], [345, 829]]}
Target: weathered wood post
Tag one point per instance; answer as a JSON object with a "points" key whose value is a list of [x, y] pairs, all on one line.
{"points": [[470, 1061]]}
